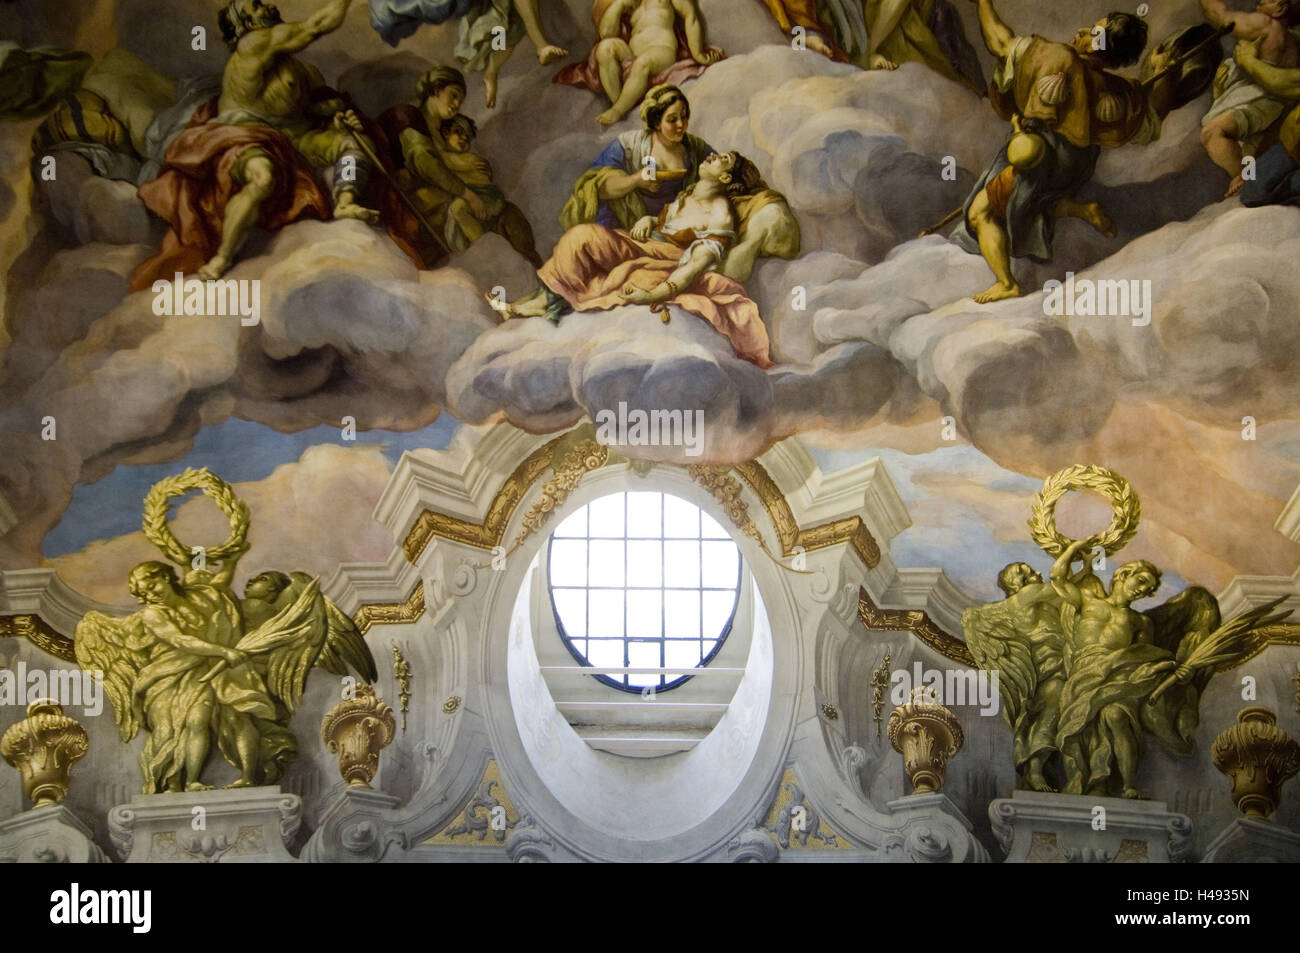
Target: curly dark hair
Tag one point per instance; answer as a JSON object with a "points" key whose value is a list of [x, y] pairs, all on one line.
{"points": [[1126, 38]]}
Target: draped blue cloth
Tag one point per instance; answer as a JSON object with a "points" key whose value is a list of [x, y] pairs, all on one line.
{"points": [[394, 20]]}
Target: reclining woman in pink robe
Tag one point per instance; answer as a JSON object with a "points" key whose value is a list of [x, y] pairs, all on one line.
{"points": [[672, 259]]}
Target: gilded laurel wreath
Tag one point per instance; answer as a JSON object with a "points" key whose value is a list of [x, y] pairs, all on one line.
{"points": [[1123, 501], [157, 507]]}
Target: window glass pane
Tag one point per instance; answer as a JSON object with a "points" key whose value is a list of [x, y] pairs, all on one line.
{"points": [[605, 654], [575, 524], [644, 655], [684, 654], [644, 613], [606, 563], [682, 563], [645, 562], [606, 518], [571, 604], [681, 519], [721, 565], [682, 614], [605, 612], [644, 515], [568, 562], [638, 579], [717, 610]]}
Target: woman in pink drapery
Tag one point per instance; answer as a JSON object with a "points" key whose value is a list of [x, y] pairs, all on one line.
{"points": [[671, 259]]}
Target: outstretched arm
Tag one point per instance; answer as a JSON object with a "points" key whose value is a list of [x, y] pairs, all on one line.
{"points": [[292, 37], [997, 35], [1245, 25], [611, 23], [702, 259], [693, 25], [1062, 580], [1281, 82], [161, 628]]}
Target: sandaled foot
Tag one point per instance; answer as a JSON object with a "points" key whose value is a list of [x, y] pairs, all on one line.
{"points": [[550, 53], [241, 783], [197, 786], [1037, 782], [503, 308], [216, 266], [1131, 793], [998, 292]]}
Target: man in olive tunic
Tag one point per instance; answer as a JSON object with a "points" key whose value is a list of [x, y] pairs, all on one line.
{"points": [[1064, 94]]}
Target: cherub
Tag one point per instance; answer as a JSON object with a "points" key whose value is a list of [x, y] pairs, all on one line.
{"points": [[1242, 110], [466, 225], [628, 66]]}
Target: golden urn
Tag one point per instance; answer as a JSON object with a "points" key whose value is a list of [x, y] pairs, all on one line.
{"points": [[1258, 757], [926, 734], [43, 747], [357, 729]]}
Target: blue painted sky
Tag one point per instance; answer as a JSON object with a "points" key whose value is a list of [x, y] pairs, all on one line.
{"points": [[238, 450]]}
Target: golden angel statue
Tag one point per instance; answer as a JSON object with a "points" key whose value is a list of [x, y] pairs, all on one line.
{"points": [[1083, 676], [196, 664]]}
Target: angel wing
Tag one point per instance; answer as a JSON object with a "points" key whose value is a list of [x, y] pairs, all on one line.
{"points": [[996, 643], [310, 630], [1194, 610], [110, 645]]}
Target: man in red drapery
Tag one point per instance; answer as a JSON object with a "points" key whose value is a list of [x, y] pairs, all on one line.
{"points": [[250, 159]]}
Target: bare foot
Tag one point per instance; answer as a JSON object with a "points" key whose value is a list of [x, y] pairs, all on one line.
{"points": [[608, 117], [998, 292], [489, 91], [215, 268], [1098, 219], [347, 207], [549, 54], [880, 62], [1131, 793], [196, 786], [241, 783], [818, 45], [1235, 186]]}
